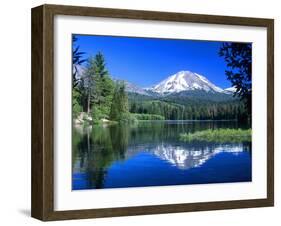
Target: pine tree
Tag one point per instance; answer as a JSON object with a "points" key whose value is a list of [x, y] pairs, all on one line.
{"points": [[114, 111], [92, 84], [99, 88], [120, 105], [99, 65], [124, 104], [76, 61], [105, 85], [239, 60]]}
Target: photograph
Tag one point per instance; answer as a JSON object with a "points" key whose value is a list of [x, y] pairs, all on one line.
{"points": [[150, 111]]}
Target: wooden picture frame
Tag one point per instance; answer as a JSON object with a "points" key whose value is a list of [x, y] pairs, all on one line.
{"points": [[43, 108]]}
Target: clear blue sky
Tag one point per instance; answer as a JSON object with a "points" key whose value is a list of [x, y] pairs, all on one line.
{"points": [[147, 61]]}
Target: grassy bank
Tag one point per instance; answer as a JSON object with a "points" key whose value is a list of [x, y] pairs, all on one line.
{"points": [[218, 135]]}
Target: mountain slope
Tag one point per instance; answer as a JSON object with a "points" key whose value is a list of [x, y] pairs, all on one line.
{"points": [[229, 90], [196, 96], [185, 81], [132, 88]]}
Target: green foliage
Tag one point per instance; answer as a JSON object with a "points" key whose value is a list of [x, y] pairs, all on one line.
{"points": [[76, 107], [238, 57], [107, 88], [99, 65], [218, 135], [127, 118], [96, 114], [120, 107], [148, 116], [102, 88], [96, 89], [76, 61], [177, 109], [92, 85]]}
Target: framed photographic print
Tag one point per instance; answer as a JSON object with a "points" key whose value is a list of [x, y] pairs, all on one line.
{"points": [[141, 112]]}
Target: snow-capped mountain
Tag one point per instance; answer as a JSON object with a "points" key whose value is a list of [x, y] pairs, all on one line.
{"points": [[185, 81]]}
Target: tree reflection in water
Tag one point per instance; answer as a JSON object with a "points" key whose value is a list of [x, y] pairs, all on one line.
{"points": [[96, 149]]}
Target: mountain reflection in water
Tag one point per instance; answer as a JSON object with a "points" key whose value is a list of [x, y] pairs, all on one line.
{"points": [[189, 157], [151, 154]]}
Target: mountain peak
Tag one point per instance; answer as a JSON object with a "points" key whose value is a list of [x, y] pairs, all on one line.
{"points": [[185, 81]]}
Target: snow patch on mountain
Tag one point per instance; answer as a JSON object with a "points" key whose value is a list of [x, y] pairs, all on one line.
{"points": [[185, 81], [229, 90]]}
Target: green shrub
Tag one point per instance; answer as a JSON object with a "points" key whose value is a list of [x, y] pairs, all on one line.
{"points": [[127, 118]]}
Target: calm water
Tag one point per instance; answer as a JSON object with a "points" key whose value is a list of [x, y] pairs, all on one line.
{"points": [[151, 154]]}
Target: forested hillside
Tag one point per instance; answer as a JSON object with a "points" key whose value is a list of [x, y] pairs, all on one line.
{"points": [[188, 107]]}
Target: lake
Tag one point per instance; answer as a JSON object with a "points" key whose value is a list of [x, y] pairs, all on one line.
{"points": [[150, 153]]}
